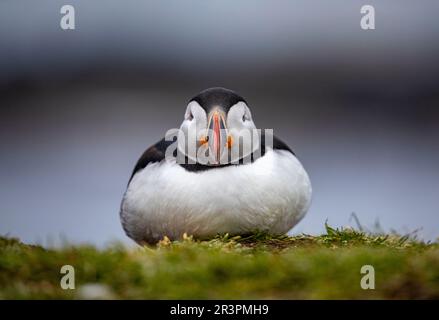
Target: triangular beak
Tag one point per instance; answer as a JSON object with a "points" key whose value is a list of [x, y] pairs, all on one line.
{"points": [[217, 133]]}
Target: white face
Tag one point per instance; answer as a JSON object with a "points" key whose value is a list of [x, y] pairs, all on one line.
{"points": [[218, 138]]}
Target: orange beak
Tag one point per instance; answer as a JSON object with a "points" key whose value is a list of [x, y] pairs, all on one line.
{"points": [[217, 136]]}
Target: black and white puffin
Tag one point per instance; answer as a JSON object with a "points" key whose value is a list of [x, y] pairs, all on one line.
{"points": [[271, 192]]}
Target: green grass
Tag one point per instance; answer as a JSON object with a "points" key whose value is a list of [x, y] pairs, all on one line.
{"points": [[257, 266]]}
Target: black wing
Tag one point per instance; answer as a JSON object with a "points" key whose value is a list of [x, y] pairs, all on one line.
{"points": [[278, 144], [155, 153]]}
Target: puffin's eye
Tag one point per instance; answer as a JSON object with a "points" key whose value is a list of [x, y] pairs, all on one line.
{"points": [[191, 116], [243, 118]]}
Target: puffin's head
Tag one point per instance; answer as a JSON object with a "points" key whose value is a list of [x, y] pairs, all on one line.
{"points": [[219, 124]]}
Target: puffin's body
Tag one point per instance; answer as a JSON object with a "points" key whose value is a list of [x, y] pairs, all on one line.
{"points": [[164, 197]]}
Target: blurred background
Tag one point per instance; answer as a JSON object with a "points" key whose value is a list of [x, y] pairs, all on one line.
{"points": [[78, 107]]}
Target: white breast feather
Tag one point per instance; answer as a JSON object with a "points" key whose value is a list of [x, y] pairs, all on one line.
{"points": [[271, 194]]}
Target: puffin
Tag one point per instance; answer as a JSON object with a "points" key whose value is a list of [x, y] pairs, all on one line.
{"points": [[216, 174]]}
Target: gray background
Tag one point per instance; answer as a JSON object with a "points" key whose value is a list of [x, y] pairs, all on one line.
{"points": [[77, 108]]}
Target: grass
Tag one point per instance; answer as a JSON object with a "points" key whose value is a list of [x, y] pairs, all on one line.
{"points": [[259, 266]]}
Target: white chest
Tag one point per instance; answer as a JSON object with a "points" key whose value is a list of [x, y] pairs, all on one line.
{"points": [[271, 194]]}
